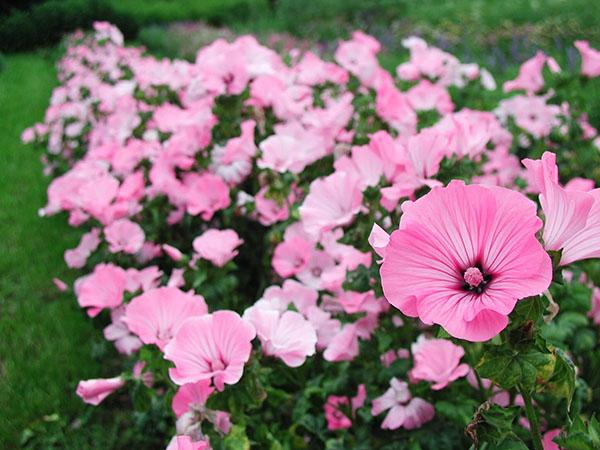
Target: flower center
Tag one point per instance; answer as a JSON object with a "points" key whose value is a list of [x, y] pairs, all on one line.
{"points": [[475, 280]]}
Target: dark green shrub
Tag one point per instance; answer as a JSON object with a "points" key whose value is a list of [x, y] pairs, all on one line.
{"points": [[45, 24]]}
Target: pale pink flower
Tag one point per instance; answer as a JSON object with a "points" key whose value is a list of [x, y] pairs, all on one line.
{"points": [[427, 96], [123, 235], [77, 257], [572, 218], [94, 391], [404, 411], [326, 327], [292, 292], [269, 210], [288, 335], [291, 256], [344, 345], [364, 164], [214, 346], [530, 78], [217, 246], [172, 252], [438, 361], [590, 59], [205, 194], [157, 314], [336, 406], [359, 57], [186, 443], [332, 201], [379, 240], [595, 311], [191, 396], [463, 256], [103, 288], [118, 332], [426, 151]]}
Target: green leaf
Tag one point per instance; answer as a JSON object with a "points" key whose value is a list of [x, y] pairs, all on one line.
{"points": [[236, 439], [493, 425], [562, 382], [509, 368]]}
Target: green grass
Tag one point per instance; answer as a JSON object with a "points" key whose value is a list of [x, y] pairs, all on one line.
{"points": [[45, 341]]}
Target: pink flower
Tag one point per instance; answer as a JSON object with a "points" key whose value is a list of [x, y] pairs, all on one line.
{"points": [[530, 76], [125, 342], [123, 235], [77, 257], [337, 407], [291, 256], [548, 439], [191, 396], [463, 256], [172, 252], [572, 217], [156, 315], [60, 284], [343, 346], [379, 240], [437, 360], [270, 211], [205, 194], [94, 391], [286, 335], [103, 288], [403, 411], [332, 201], [214, 346], [186, 443], [590, 59], [217, 246]]}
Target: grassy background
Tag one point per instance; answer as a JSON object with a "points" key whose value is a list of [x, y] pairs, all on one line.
{"points": [[46, 342]]}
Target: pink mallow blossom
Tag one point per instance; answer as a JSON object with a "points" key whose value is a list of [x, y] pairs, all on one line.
{"points": [[438, 361], [462, 258], [213, 346], [157, 314], [217, 246], [103, 288], [338, 408], [123, 235], [95, 391], [404, 411]]}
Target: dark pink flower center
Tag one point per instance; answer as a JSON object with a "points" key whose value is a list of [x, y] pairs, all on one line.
{"points": [[475, 280]]}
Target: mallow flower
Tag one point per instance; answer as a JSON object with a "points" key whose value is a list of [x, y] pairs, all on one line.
{"points": [[95, 391], [213, 346], [438, 361], [157, 314], [462, 258]]}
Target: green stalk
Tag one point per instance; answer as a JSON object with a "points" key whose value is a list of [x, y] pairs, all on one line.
{"points": [[536, 437]]}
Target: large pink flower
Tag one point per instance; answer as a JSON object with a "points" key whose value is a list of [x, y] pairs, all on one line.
{"points": [[438, 361], [157, 314], [463, 256], [214, 346], [103, 288]]}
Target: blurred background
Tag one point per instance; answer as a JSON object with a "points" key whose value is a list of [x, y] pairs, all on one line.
{"points": [[46, 345]]}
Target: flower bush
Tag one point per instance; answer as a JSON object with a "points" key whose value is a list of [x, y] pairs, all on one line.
{"points": [[284, 248]]}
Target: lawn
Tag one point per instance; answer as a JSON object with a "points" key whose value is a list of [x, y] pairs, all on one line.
{"points": [[45, 346]]}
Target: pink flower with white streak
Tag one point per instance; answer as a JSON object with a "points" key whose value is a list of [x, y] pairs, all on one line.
{"points": [[95, 391], [213, 346], [157, 314], [463, 256]]}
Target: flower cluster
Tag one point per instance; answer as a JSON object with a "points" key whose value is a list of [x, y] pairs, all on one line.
{"points": [[284, 238]]}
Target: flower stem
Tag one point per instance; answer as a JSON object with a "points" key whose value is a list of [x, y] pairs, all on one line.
{"points": [[536, 437]]}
